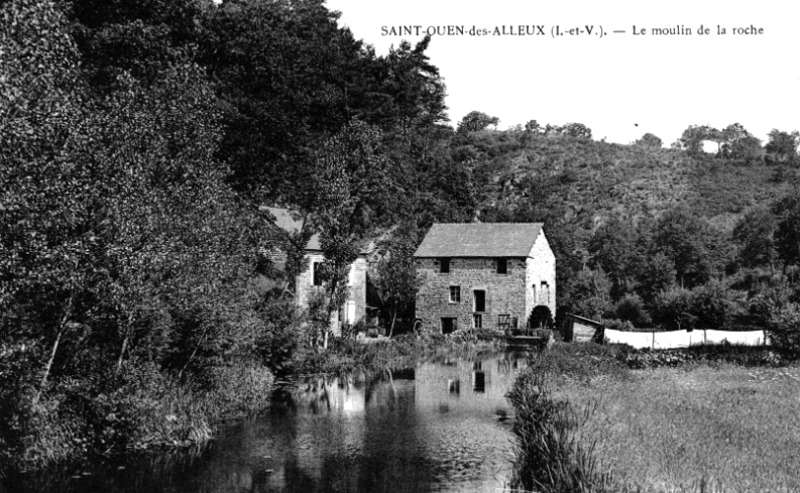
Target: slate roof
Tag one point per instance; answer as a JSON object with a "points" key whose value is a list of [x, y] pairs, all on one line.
{"points": [[291, 222], [479, 240]]}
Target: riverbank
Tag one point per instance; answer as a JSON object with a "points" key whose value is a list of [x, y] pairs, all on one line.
{"points": [[141, 408], [144, 409], [404, 351], [717, 420]]}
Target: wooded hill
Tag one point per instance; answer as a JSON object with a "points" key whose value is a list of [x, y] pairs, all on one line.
{"points": [[587, 182]]}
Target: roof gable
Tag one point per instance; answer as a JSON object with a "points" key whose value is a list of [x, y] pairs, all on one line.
{"points": [[292, 222], [479, 240]]}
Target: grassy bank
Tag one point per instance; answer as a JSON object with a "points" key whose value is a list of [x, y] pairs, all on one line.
{"points": [[146, 408], [665, 429], [375, 355], [586, 422], [141, 408]]}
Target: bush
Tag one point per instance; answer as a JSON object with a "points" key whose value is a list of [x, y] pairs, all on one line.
{"points": [[631, 308], [784, 328], [237, 389], [673, 309], [621, 325], [748, 356], [32, 435], [282, 334], [541, 317], [714, 305]]}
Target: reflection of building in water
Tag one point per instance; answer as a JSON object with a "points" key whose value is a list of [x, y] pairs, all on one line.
{"points": [[463, 386], [332, 431], [433, 426]]}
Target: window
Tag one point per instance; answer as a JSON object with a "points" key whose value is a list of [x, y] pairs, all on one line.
{"points": [[449, 325], [454, 386], [545, 293], [502, 266], [455, 294], [316, 277], [444, 265], [477, 321], [351, 312], [503, 321]]}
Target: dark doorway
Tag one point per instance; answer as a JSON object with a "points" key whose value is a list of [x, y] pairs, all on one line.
{"points": [[479, 382], [479, 297]]}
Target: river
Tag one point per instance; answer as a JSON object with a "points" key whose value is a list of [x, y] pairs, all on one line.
{"points": [[439, 427]]}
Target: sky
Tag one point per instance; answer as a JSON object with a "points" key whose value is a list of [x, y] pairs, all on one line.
{"points": [[621, 85]]}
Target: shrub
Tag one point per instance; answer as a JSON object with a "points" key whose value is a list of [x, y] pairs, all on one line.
{"points": [[282, 333], [541, 317], [714, 305], [615, 324], [748, 356], [673, 309], [32, 435], [241, 388], [631, 308], [784, 328]]}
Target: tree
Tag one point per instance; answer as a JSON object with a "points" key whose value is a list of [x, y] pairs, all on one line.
{"points": [[577, 130], [613, 249], [656, 274], [784, 327], [782, 146], [287, 74], [533, 127], [475, 121], [411, 89], [738, 143], [631, 308], [787, 234], [715, 305], [395, 278], [139, 39], [591, 294], [692, 138], [45, 248], [689, 243], [350, 186], [674, 308], [649, 140], [755, 235]]}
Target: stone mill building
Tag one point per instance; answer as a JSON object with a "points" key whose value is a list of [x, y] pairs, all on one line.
{"points": [[484, 275]]}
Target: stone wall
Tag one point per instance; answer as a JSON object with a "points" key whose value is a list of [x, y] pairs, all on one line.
{"points": [[357, 284], [505, 293], [541, 266], [358, 288]]}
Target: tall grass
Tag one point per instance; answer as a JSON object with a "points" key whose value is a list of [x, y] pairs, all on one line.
{"points": [[732, 427], [586, 423], [550, 457]]}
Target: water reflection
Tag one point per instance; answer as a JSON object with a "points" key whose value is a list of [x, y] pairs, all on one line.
{"points": [[439, 427]]}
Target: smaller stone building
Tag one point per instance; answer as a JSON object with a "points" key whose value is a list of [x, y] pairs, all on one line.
{"points": [[309, 281], [484, 275]]}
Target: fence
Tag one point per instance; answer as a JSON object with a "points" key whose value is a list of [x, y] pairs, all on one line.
{"points": [[682, 338]]}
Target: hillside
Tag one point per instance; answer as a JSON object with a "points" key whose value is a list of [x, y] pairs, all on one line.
{"points": [[585, 182]]}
